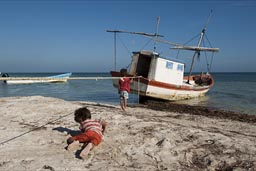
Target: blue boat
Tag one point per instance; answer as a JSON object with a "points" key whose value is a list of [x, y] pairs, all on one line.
{"points": [[25, 80]]}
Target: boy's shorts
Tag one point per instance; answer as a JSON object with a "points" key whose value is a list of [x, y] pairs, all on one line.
{"points": [[88, 136], [124, 94]]}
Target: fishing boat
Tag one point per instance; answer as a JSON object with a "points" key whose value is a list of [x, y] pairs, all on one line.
{"points": [[160, 77], [25, 80]]}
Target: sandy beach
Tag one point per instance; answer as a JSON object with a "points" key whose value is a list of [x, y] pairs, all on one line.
{"points": [[34, 131]]}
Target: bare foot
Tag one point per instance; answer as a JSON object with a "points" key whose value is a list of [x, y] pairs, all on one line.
{"points": [[86, 150], [73, 146], [123, 108]]}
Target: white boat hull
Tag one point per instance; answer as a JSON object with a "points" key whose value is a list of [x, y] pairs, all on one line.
{"points": [[33, 81], [158, 90], [172, 95], [51, 79]]}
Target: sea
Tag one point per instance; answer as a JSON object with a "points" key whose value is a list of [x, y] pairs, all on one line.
{"points": [[231, 92]]}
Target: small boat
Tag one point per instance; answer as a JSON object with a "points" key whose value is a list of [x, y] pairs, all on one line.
{"points": [[25, 80], [159, 77]]}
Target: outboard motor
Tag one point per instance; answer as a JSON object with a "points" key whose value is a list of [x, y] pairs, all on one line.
{"points": [[5, 75]]}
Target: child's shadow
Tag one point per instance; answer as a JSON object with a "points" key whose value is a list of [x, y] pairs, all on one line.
{"points": [[72, 133], [69, 131]]}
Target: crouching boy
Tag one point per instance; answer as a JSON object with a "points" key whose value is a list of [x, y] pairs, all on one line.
{"points": [[92, 132]]}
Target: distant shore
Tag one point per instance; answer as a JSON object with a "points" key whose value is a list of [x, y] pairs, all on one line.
{"points": [[34, 130]]}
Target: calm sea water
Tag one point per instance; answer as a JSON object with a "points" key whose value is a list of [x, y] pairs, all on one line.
{"points": [[232, 91]]}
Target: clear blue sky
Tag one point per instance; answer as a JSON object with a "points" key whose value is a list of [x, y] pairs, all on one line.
{"points": [[70, 35]]}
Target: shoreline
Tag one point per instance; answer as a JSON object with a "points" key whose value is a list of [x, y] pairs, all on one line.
{"points": [[34, 130], [200, 110]]}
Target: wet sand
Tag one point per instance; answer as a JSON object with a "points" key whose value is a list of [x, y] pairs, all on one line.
{"points": [[155, 136]]}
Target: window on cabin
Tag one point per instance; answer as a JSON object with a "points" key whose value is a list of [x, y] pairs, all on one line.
{"points": [[180, 67], [169, 65]]}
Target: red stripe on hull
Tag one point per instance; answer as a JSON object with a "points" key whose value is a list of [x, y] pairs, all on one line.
{"points": [[170, 86]]}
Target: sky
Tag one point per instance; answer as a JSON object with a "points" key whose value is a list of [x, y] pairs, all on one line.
{"points": [[70, 35]]}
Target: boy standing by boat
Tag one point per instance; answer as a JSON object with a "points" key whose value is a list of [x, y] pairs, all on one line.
{"points": [[92, 132], [124, 88]]}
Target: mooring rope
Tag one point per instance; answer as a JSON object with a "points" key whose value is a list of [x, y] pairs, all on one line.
{"points": [[13, 138], [70, 78]]}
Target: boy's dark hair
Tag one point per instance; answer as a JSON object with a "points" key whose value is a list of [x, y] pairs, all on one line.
{"points": [[123, 72], [82, 114]]}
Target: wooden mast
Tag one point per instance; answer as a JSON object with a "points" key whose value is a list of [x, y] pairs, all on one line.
{"points": [[114, 31], [156, 35], [197, 52]]}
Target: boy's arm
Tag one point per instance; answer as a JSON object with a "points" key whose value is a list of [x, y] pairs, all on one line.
{"points": [[104, 126], [132, 79], [70, 140], [119, 87], [119, 84], [81, 127]]}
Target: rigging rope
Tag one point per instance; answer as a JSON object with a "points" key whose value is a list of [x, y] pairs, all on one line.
{"points": [[177, 56], [208, 40], [146, 43], [209, 65], [192, 39], [128, 51]]}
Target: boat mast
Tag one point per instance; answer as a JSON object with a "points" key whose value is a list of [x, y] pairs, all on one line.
{"points": [[197, 52], [115, 50], [114, 31], [158, 21]]}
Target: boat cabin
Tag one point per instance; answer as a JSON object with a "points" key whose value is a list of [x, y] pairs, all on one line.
{"points": [[153, 67]]}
